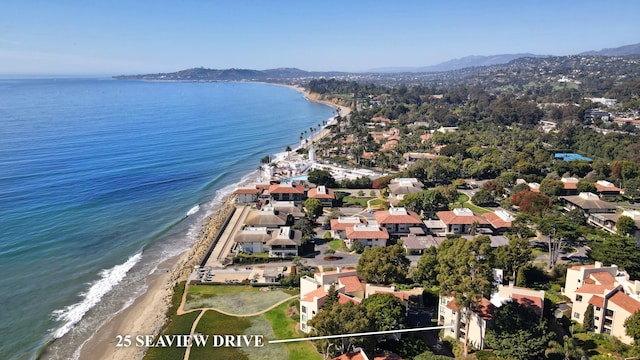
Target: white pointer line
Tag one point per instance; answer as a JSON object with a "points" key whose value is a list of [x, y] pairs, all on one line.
{"points": [[359, 334]]}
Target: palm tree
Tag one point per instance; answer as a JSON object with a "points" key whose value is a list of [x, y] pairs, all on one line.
{"points": [[569, 348]]}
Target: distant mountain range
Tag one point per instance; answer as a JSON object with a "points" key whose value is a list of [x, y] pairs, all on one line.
{"points": [[280, 74], [461, 63], [476, 60]]}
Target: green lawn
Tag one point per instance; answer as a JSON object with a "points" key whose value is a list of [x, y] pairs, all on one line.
{"points": [[360, 201], [285, 328], [215, 323], [337, 244]]}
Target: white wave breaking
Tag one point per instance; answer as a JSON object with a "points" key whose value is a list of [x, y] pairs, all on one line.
{"points": [[193, 210], [110, 277]]}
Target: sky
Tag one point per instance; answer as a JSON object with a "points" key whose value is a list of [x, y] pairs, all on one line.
{"points": [[113, 37]]}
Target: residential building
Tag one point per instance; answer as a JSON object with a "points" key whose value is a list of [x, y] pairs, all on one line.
{"points": [[499, 220], [397, 220], [287, 192], [609, 290], [247, 194], [322, 193], [367, 235], [607, 190], [415, 244], [340, 225], [252, 239], [268, 217], [400, 187], [608, 221], [570, 185], [451, 314], [313, 292], [461, 221], [588, 202], [284, 242]]}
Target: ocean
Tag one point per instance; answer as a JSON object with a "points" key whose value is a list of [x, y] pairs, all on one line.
{"points": [[101, 180]]}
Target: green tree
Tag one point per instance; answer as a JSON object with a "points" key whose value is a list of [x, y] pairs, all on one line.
{"points": [[586, 186], [517, 332], [551, 187], [483, 198], [625, 226], [321, 177], [426, 201], [306, 227], [588, 318], [385, 311], [427, 270], [619, 250], [632, 326], [383, 264], [341, 319], [568, 348], [313, 208], [331, 299], [632, 188], [558, 229], [513, 256], [465, 274]]}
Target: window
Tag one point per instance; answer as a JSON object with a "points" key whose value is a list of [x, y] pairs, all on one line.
{"points": [[303, 308], [578, 298], [597, 308], [576, 315], [608, 312], [606, 331]]}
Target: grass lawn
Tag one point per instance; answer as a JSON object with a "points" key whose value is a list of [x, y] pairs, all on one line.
{"points": [[215, 323], [284, 327], [378, 204], [360, 201], [338, 244], [233, 299]]}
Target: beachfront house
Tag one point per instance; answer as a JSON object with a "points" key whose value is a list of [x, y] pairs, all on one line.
{"points": [[252, 239], [287, 192], [284, 242]]}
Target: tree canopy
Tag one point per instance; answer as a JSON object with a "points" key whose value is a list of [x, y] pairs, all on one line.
{"points": [[383, 264]]}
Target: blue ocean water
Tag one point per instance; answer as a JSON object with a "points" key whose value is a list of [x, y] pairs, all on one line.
{"points": [[97, 178]]}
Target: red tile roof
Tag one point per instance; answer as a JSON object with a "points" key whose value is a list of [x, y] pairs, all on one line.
{"points": [[601, 188], [343, 299], [591, 289], [625, 301], [351, 284], [570, 185], [336, 224], [319, 293], [533, 303], [353, 233], [604, 278], [313, 193], [597, 301], [450, 218], [286, 189], [386, 217], [356, 355], [496, 221], [399, 294], [239, 191]]}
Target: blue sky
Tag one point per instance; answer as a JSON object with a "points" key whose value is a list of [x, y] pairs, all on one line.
{"points": [[142, 36]]}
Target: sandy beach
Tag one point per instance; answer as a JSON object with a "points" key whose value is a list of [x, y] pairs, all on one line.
{"points": [[146, 316]]}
